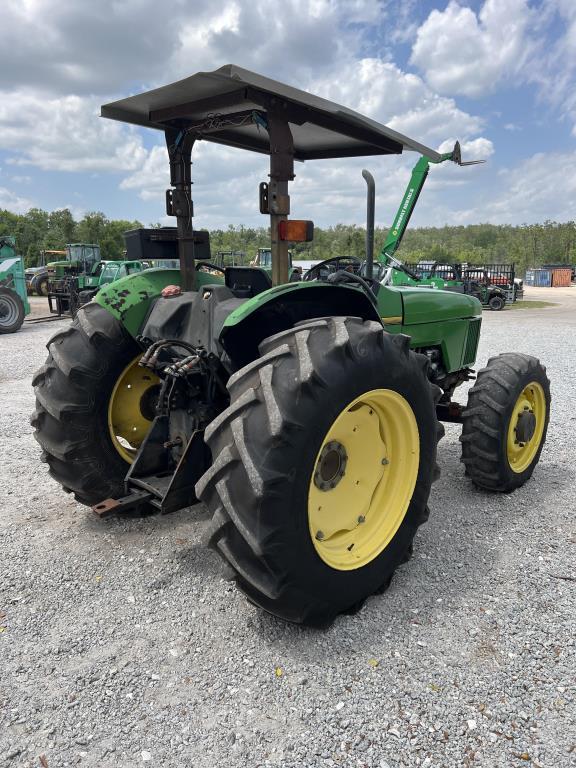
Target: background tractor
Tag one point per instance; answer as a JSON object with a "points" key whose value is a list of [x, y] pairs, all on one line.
{"points": [[37, 279], [14, 304], [80, 270], [75, 280], [305, 415]]}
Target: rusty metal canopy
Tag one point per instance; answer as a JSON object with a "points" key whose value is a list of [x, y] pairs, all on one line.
{"points": [[320, 128]]}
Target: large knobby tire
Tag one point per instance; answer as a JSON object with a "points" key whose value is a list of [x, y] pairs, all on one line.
{"points": [[73, 390], [505, 422], [496, 303], [41, 285], [265, 450], [11, 311]]}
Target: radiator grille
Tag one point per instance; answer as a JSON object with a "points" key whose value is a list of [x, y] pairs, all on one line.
{"points": [[471, 342]]}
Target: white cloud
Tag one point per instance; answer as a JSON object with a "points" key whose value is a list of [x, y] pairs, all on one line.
{"points": [[460, 52], [65, 46], [10, 201], [557, 71], [399, 99], [65, 133], [475, 149], [535, 190], [152, 177]]}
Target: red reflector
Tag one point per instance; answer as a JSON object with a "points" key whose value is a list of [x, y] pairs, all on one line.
{"points": [[296, 230], [171, 290]]}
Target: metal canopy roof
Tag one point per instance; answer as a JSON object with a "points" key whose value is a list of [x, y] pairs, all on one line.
{"points": [[320, 128]]}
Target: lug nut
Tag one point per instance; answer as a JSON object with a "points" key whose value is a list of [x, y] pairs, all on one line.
{"points": [[319, 535]]}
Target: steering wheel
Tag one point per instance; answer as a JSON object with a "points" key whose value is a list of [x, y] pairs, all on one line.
{"points": [[333, 265], [342, 276], [209, 266], [397, 264]]}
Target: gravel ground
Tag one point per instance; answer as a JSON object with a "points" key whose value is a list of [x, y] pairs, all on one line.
{"points": [[122, 645]]}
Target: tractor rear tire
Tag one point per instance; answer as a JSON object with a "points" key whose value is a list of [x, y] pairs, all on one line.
{"points": [[267, 448], [512, 387], [73, 390], [11, 311]]}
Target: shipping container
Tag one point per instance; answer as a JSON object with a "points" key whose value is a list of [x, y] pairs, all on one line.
{"points": [[539, 278], [561, 277]]}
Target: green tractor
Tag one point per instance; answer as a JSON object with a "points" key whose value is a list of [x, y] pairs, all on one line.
{"points": [[79, 271], [14, 305], [37, 279], [76, 280], [305, 415]]}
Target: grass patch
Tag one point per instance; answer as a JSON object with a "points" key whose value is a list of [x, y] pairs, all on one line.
{"points": [[531, 304]]}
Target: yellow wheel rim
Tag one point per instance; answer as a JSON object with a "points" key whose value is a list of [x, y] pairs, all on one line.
{"points": [[526, 427], [131, 409], [363, 479]]}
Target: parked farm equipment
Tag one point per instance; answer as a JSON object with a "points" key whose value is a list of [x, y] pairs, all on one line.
{"points": [[75, 280], [493, 285], [37, 278], [306, 415], [14, 304]]}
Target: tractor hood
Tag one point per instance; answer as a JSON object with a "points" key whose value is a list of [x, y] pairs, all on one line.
{"points": [[421, 305]]}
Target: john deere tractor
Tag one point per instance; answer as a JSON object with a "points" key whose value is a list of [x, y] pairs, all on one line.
{"points": [[79, 271], [305, 415]]}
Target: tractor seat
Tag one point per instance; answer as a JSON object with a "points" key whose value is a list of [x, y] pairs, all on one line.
{"points": [[245, 282]]}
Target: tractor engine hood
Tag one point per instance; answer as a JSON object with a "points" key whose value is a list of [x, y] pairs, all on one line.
{"points": [[421, 305]]}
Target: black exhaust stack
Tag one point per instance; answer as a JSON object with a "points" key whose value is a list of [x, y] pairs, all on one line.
{"points": [[370, 205]]}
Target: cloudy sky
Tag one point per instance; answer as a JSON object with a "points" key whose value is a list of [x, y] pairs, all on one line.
{"points": [[499, 75]]}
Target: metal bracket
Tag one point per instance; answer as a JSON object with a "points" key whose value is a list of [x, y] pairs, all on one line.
{"points": [[152, 481], [178, 203], [263, 197]]}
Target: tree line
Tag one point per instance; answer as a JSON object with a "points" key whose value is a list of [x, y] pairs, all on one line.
{"points": [[526, 245]]}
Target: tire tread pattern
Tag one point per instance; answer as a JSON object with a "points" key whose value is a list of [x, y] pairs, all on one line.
{"points": [[239, 535], [486, 418]]}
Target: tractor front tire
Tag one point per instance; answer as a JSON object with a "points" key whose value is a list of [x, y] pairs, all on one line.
{"points": [[42, 286], [11, 311], [322, 467], [505, 422], [496, 303], [73, 390]]}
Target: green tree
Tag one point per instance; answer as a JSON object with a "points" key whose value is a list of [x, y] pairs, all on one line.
{"points": [[61, 229], [92, 228]]}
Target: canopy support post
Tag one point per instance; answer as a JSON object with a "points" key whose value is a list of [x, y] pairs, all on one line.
{"points": [[179, 201], [281, 172]]}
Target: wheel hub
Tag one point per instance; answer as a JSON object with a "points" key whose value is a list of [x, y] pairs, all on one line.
{"points": [[363, 479], [149, 401], [131, 409], [525, 426], [331, 466]]}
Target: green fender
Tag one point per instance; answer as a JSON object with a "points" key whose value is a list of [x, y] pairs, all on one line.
{"points": [[129, 299], [431, 317]]}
